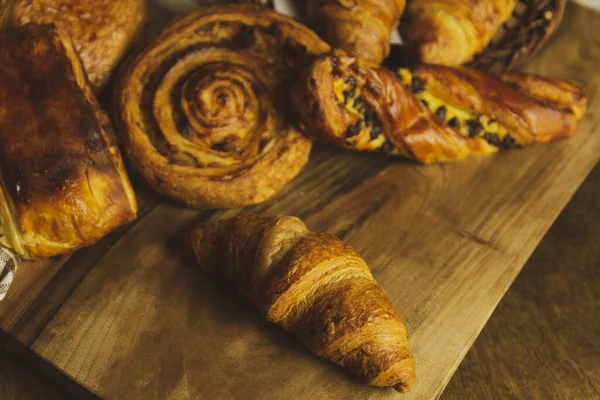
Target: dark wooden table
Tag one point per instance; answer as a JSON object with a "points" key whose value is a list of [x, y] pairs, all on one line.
{"points": [[540, 343]]}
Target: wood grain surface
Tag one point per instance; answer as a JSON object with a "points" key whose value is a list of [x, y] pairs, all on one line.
{"points": [[130, 318], [540, 343]]}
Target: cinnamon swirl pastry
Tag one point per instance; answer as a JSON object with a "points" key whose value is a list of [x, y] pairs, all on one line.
{"points": [[432, 113], [202, 111]]}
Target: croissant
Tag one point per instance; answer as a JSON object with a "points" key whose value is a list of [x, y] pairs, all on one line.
{"points": [[432, 113], [314, 285], [202, 111], [363, 28], [101, 31], [62, 180], [450, 32]]}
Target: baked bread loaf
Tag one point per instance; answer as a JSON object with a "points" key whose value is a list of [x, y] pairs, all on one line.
{"points": [[101, 30], [363, 28], [314, 285], [450, 32], [432, 113], [203, 111], [62, 181]]}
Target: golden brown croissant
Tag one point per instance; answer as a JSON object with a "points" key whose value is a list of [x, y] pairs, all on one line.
{"points": [[432, 113], [315, 286], [62, 181], [362, 28], [450, 32], [101, 30], [202, 111]]}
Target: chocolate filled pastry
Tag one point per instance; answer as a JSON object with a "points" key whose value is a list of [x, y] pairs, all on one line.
{"points": [[315, 286], [363, 28], [450, 32], [203, 110], [62, 181], [101, 30], [432, 113]]}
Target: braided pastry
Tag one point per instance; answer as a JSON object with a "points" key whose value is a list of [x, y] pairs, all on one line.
{"points": [[450, 32], [202, 112], [432, 113], [315, 286], [363, 28]]}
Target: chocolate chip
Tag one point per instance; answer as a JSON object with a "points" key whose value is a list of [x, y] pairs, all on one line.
{"points": [[474, 127], [387, 148], [359, 105], [351, 82], [425, 103], [376, 130], [454, 123], [417, 85], [492, 138], [348, 94], [353, 129], [509, 142], [441, 112]]}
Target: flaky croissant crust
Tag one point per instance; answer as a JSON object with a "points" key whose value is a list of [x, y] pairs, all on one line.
{"points": [[315, 286], [362, 28], [450, 32], [202, 111], [432, 113]]}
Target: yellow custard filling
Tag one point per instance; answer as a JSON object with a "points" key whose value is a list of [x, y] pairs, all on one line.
{"points": [[365, 131], [466, 122]]}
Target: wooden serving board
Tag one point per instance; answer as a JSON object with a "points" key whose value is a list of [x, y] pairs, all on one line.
{"points": [[130, 318]]}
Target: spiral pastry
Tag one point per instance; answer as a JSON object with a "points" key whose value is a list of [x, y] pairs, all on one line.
{"points": [[432, 113], [202, 110], [363, 28]]}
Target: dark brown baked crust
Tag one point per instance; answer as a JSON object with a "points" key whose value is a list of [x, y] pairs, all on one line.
{"points": [[314, 285], [203, 110], [432, 113], [363, 28], [63, 182], [101, 30]]}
